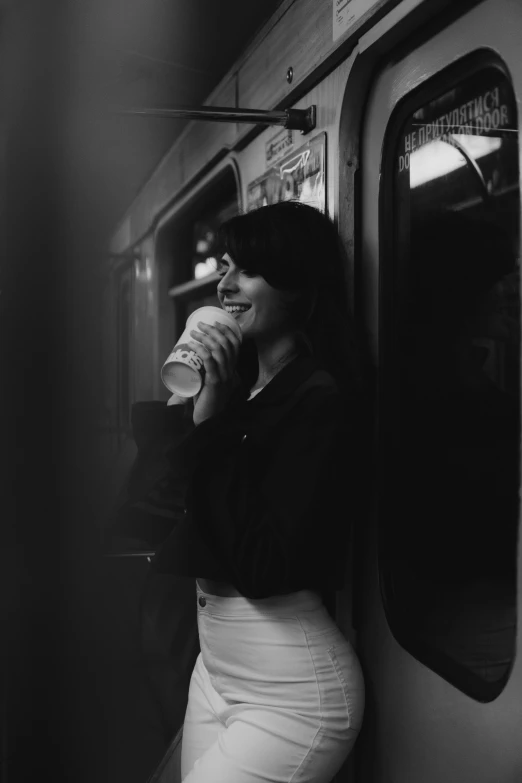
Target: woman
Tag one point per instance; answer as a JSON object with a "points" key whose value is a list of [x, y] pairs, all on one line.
{"points": [[264, 466]]}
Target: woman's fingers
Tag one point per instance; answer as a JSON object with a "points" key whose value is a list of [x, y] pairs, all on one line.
{"points": [[215, 349], [222, 344], [222, 335], [229, 343], [213, 371], [218, 347], [232, 339]]}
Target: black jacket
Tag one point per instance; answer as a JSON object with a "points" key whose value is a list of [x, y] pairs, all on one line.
{"points": [[261, 496]]}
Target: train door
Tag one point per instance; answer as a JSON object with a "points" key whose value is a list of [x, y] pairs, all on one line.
{"points": [[440, 254]]}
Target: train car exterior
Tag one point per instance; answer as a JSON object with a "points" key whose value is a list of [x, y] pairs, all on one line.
{"points": [[418, 109]]}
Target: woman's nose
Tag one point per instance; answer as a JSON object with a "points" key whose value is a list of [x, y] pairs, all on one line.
{"points": [[227, 283]]}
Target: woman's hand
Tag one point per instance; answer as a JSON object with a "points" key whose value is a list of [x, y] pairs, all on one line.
{"points": [[218, 347], [177, 400]]}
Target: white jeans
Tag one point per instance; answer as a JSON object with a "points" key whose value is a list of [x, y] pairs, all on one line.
{"points": [[276, 694]]}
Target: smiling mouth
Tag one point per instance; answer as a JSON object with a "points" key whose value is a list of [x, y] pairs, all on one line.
{"points": [[236, 310]]}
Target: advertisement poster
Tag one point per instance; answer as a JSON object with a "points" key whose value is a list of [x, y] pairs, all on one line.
{"points": [[278, 146], [301, 176]]}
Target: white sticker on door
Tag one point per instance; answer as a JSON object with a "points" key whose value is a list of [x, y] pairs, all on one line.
{"points": [[347, 12]]}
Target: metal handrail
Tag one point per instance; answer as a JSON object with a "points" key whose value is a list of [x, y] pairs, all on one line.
{"points": [[472, 163], [291, 119]]}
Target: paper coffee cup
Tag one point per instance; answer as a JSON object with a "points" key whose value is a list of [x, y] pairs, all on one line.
{"points": [[183, 373]]}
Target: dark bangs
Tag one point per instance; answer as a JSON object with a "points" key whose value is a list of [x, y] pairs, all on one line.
{"points": [[295, 247], [266, 242]]}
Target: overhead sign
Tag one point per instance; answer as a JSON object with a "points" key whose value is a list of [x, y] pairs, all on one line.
{"points": [[301, 176], [347, 12]]}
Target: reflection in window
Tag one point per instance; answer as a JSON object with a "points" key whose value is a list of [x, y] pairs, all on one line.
{"points": [[205, 246], [451, 390], [442, 157]]}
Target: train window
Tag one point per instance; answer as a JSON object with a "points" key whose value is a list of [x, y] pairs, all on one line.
{"points": [[450, 389], [205, 246], [204, 227]]}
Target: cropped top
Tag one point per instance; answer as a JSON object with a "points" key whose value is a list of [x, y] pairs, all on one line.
{"points": [[260, 496]]}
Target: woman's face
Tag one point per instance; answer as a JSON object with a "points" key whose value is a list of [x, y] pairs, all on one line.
{"points": [[260, 310]]}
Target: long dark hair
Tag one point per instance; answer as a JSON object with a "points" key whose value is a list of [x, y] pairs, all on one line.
{"points": [[297, 248]]}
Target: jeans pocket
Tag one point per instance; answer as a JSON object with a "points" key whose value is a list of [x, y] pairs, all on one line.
{"points": [[349, 674]]}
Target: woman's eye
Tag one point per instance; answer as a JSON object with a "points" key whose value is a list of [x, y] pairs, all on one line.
{"points": [[221, 268]]}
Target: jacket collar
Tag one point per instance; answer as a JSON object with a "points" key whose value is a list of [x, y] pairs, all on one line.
{"points": [[284, 383]]}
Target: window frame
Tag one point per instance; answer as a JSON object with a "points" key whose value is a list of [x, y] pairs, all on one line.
{"points": [[125, 279], [391, 269]]}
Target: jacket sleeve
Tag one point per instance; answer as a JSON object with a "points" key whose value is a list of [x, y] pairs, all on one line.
{"points": [[273, 524], [154, 496]]}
